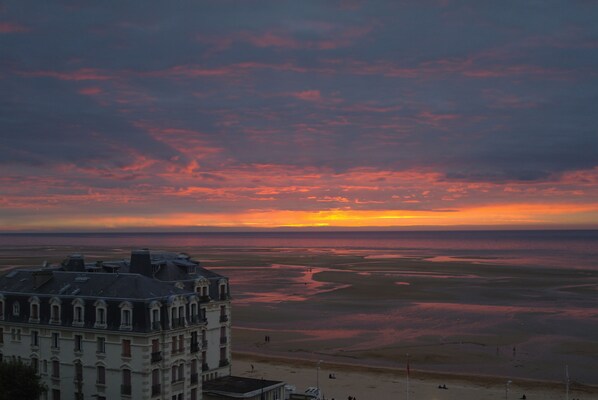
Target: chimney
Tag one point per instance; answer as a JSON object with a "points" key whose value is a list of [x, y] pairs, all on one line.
{"points": [[141, 262], [75, 262], [41, 277]]}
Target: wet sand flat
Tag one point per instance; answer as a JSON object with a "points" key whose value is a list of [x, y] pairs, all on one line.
{"points": [[372, 308]]}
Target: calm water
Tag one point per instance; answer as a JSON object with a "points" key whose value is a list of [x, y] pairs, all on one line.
{"points": [[570, 249]]}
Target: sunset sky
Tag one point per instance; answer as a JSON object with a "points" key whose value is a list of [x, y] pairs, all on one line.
{"points": [[176, 115]]}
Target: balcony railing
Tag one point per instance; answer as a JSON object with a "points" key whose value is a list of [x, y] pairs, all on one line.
{"points": [[223, 296], [194, 378], [223, 318], [224, 363], [204, 367], [223, 340], [156, 356], [125, 389], [205, 298], [156, 389], [156, 325], [194, 347], [204, 344]]}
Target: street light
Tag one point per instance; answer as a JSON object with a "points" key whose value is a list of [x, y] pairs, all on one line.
{"points": [[318, 377], [507, 390]]}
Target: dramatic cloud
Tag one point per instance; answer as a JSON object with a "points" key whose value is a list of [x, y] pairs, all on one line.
{"points": [[282, 113]]}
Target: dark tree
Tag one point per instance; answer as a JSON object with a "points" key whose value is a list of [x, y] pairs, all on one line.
{"points": [[19, 381]]}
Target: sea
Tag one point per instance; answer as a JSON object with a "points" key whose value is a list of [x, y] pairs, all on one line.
{"points": [[575, 249]]}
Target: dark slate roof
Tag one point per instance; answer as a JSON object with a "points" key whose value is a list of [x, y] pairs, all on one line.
{"points": [[238, 385], [85, 284]]}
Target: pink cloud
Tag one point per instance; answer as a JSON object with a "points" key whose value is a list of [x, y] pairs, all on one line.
{"points": [[308, 95], [90, 91], [83, 74], [11, 27]]}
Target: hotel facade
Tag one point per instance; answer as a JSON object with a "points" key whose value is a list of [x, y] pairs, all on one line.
{"points": [[154, 327]]}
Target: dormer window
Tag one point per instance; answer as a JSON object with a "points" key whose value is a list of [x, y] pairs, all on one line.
{"points": [[55, 310], [101, 307], [16, 309], [126, 315], [155, 315], [223, 291], [34, 309], [202, 289], [78, 312]]}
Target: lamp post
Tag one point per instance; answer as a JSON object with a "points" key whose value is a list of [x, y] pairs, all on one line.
{"points": [[507, 390], [318, 377]]}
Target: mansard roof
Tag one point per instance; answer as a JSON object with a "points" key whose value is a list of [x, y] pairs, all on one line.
{"points": [[85, 284]]}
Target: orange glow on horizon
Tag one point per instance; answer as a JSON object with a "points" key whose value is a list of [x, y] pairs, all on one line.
{"points": [[490, 216]]}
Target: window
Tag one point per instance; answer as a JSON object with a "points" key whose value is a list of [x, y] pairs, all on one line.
{"points": [[100, 306], [101, 345], [126, 348], [55, 369], [155, 345], [35, 364], [181, 371], [1, 335], [126, 382], [156, 382], [101, 375], [126, 312], [155, 314], [55, 394], [174, 344], [174, 373], [78, 343], [55, 340], [34, 309], [16, 309], [1, 307], [55, 310], [15, 334], [78, 371], [223, 291], [34, 338], [126, 317], [78, 312], [181, 343]]}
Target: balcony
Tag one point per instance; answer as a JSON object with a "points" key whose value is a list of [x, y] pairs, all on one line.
{"points": [[205, 298], [224, 363], [156, 356], [204, 344], [156, 325], [223, 340], [194, 378], [223, 318], [156, 389], [194, 347], [223, 296], [54, 321], [204, 367], [125, 390]]}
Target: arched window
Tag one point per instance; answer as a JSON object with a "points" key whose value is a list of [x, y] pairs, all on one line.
{"points": [[78, 371], [202, 288], [126, 382], [101, 307], [55, 304], [101, 375], [155, 315], [34, 309], [78, 312], [223, 290], [126, 315]]}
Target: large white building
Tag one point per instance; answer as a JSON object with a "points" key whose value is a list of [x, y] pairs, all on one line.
{"points": [[156, 327]]}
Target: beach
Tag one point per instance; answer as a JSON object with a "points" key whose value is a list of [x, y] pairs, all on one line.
{"points": [[365, 383], [473, 318]]}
